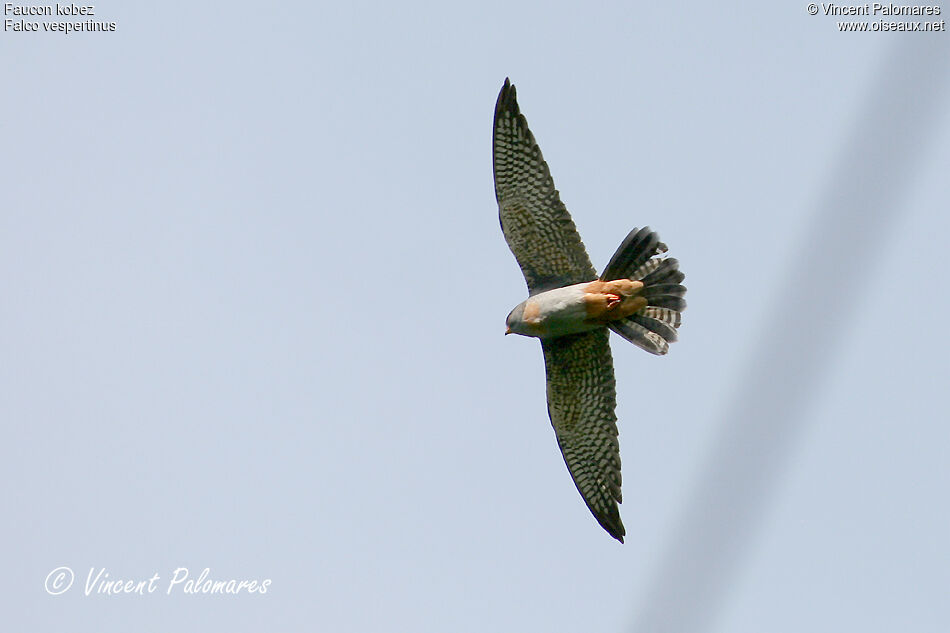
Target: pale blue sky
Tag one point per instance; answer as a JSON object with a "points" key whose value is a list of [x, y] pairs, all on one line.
{"points": [[255, 289]]}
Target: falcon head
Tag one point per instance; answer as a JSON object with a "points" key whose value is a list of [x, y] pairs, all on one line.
{"points": [[526, 320], [514, 324]]}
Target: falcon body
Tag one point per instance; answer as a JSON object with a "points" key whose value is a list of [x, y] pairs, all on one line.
{"points": [[573, 309], [570, 309]]}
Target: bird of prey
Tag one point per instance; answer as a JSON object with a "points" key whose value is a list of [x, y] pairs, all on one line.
{"points": [[569, 308]]}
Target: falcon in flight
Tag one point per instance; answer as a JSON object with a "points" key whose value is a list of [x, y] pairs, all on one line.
{"points": [[639, 296]]}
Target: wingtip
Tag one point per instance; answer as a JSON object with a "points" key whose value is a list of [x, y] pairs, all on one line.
{"points": [[617, 531], [610, 521], [507, 99]]}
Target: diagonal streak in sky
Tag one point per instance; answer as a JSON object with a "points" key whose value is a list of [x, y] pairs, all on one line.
{"points": [[761, 427]]}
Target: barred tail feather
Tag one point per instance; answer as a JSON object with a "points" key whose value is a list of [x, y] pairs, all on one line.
{"points": [[664, 290], [640, 336], [670, 317], [667, 301], [647, 269], [652, 328], [668, 332], [666, 271]]}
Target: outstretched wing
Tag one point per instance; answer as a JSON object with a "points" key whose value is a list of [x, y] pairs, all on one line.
{"points": [[537, 226], [581, 402]]}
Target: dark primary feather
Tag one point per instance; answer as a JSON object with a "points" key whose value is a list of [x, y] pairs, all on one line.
{"points": [[536, 224]]}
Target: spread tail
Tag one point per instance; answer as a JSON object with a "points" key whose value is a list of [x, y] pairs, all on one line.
{"points": [[639, 257]]}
